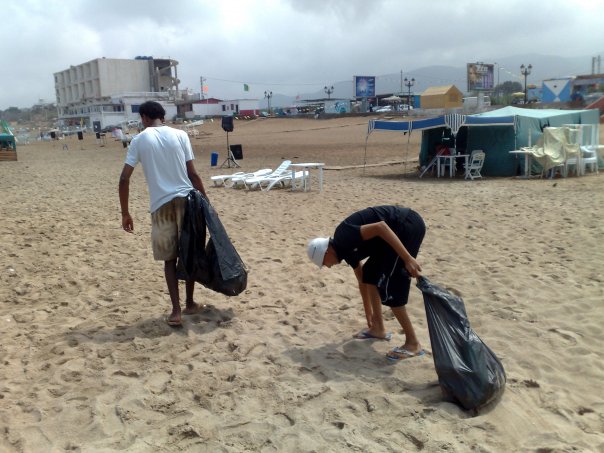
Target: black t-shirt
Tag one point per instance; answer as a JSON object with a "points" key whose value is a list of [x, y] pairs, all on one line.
{"points": [[347, 241]]}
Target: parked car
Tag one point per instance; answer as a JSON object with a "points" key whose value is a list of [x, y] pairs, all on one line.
{"points": [[385, 108]]}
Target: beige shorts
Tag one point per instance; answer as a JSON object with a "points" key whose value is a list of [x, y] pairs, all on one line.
{"points": [[166, 223]]}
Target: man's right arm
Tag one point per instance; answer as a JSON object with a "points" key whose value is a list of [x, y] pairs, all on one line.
{"points": [[195, 178], [382, 230]]}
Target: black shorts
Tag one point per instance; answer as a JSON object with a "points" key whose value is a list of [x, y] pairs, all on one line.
{"points": [[386, 270]]}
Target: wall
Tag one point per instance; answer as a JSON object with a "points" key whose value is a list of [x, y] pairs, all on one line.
{"points": [[119, 76]]}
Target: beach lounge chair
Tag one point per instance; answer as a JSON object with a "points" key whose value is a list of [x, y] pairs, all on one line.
{"points": [[220, 180], [256, 182], [226, 180], [475, 165], [283, 180], [237, 181]]}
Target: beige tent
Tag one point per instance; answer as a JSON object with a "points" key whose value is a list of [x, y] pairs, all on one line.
{"points": [[442, 97]]}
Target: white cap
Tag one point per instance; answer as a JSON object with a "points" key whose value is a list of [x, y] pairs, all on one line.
{"points": [[316, 250]]}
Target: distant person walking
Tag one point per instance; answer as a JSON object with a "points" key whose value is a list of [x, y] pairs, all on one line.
{"points": [[166, 156], [388, 238]]}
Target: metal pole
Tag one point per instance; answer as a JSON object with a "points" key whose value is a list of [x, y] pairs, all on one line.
{"points": [[497, 88], [268, 95], [409, 84], [525, 71]]}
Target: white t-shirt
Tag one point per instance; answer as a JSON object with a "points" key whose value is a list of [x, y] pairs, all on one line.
{"points": [[163, 152]]}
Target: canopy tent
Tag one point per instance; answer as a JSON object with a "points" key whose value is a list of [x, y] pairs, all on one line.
{"points": [[496, 133], [393, 99], [434, 130], [8, 144]]}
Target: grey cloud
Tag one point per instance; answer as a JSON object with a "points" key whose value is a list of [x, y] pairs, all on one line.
{"points": [[292, 45]]}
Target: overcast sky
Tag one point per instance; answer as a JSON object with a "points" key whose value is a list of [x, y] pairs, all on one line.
{"points": [[286, 46]]}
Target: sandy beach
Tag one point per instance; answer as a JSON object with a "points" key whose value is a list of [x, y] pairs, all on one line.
{"points": [[89, 365]]}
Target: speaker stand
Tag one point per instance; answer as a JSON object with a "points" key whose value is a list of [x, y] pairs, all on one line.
{"points": [[230, 160]]}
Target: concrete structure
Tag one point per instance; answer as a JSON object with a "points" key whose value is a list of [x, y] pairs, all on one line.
{"points": [[441, 97], [108, 91], [473, 103]]}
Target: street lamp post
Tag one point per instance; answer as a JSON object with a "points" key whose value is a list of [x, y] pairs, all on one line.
{"points": [[525, 71], [328, 90], [409, 84], [268, 95], [496, 90]]}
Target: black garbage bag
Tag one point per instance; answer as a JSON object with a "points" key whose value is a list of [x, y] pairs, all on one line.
{"points": [[469, 373], [225, 282], [216, 265], [193, 262]]}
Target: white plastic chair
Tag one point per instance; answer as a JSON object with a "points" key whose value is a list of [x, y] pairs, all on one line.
{"points": [[257, 181], [589, 158], [583, 135], [475, 165], [450, 162]]}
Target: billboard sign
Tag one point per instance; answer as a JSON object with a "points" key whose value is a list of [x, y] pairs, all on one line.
{"points": [[480, 77], [364, 86]]}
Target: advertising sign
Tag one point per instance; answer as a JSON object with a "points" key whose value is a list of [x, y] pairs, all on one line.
{"points": [[364, 86], [480, 76]]}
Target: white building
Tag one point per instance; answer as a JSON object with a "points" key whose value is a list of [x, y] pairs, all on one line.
{"points": [[192, 106], [108, 91]]}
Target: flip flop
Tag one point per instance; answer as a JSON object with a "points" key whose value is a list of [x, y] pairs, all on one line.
{"points": [[366, 335], [402, 354], [172, 323]]}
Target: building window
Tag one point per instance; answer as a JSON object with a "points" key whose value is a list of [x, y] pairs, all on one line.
{"points": [[135, 108], [223, 108]]}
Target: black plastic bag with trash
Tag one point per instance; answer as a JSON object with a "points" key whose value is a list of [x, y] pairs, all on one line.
{"points": [[469, 373], [216, 265]]}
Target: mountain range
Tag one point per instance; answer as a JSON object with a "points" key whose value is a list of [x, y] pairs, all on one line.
{"points": [[544, 67]]}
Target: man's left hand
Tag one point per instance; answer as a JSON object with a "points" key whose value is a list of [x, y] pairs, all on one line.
{"points": [[413, 268]]}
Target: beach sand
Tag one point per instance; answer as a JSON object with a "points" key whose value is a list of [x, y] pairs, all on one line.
{"points": [[89, 365]]}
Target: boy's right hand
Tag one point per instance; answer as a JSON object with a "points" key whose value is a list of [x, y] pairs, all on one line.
{"points": [[127, 223]]}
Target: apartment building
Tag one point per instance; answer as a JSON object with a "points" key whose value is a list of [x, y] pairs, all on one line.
{"points": [[108, 91]]}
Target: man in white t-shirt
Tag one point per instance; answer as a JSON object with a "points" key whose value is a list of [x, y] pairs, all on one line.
{"points": [[166, 156]]}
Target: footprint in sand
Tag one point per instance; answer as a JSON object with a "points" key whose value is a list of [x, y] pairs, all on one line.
{"points": [[567, 335]]}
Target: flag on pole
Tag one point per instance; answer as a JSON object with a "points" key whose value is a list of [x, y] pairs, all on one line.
{"points": [[246, 87]]}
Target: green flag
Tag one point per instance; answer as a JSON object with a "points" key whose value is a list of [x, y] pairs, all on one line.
{"points": [[246, 87]]}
